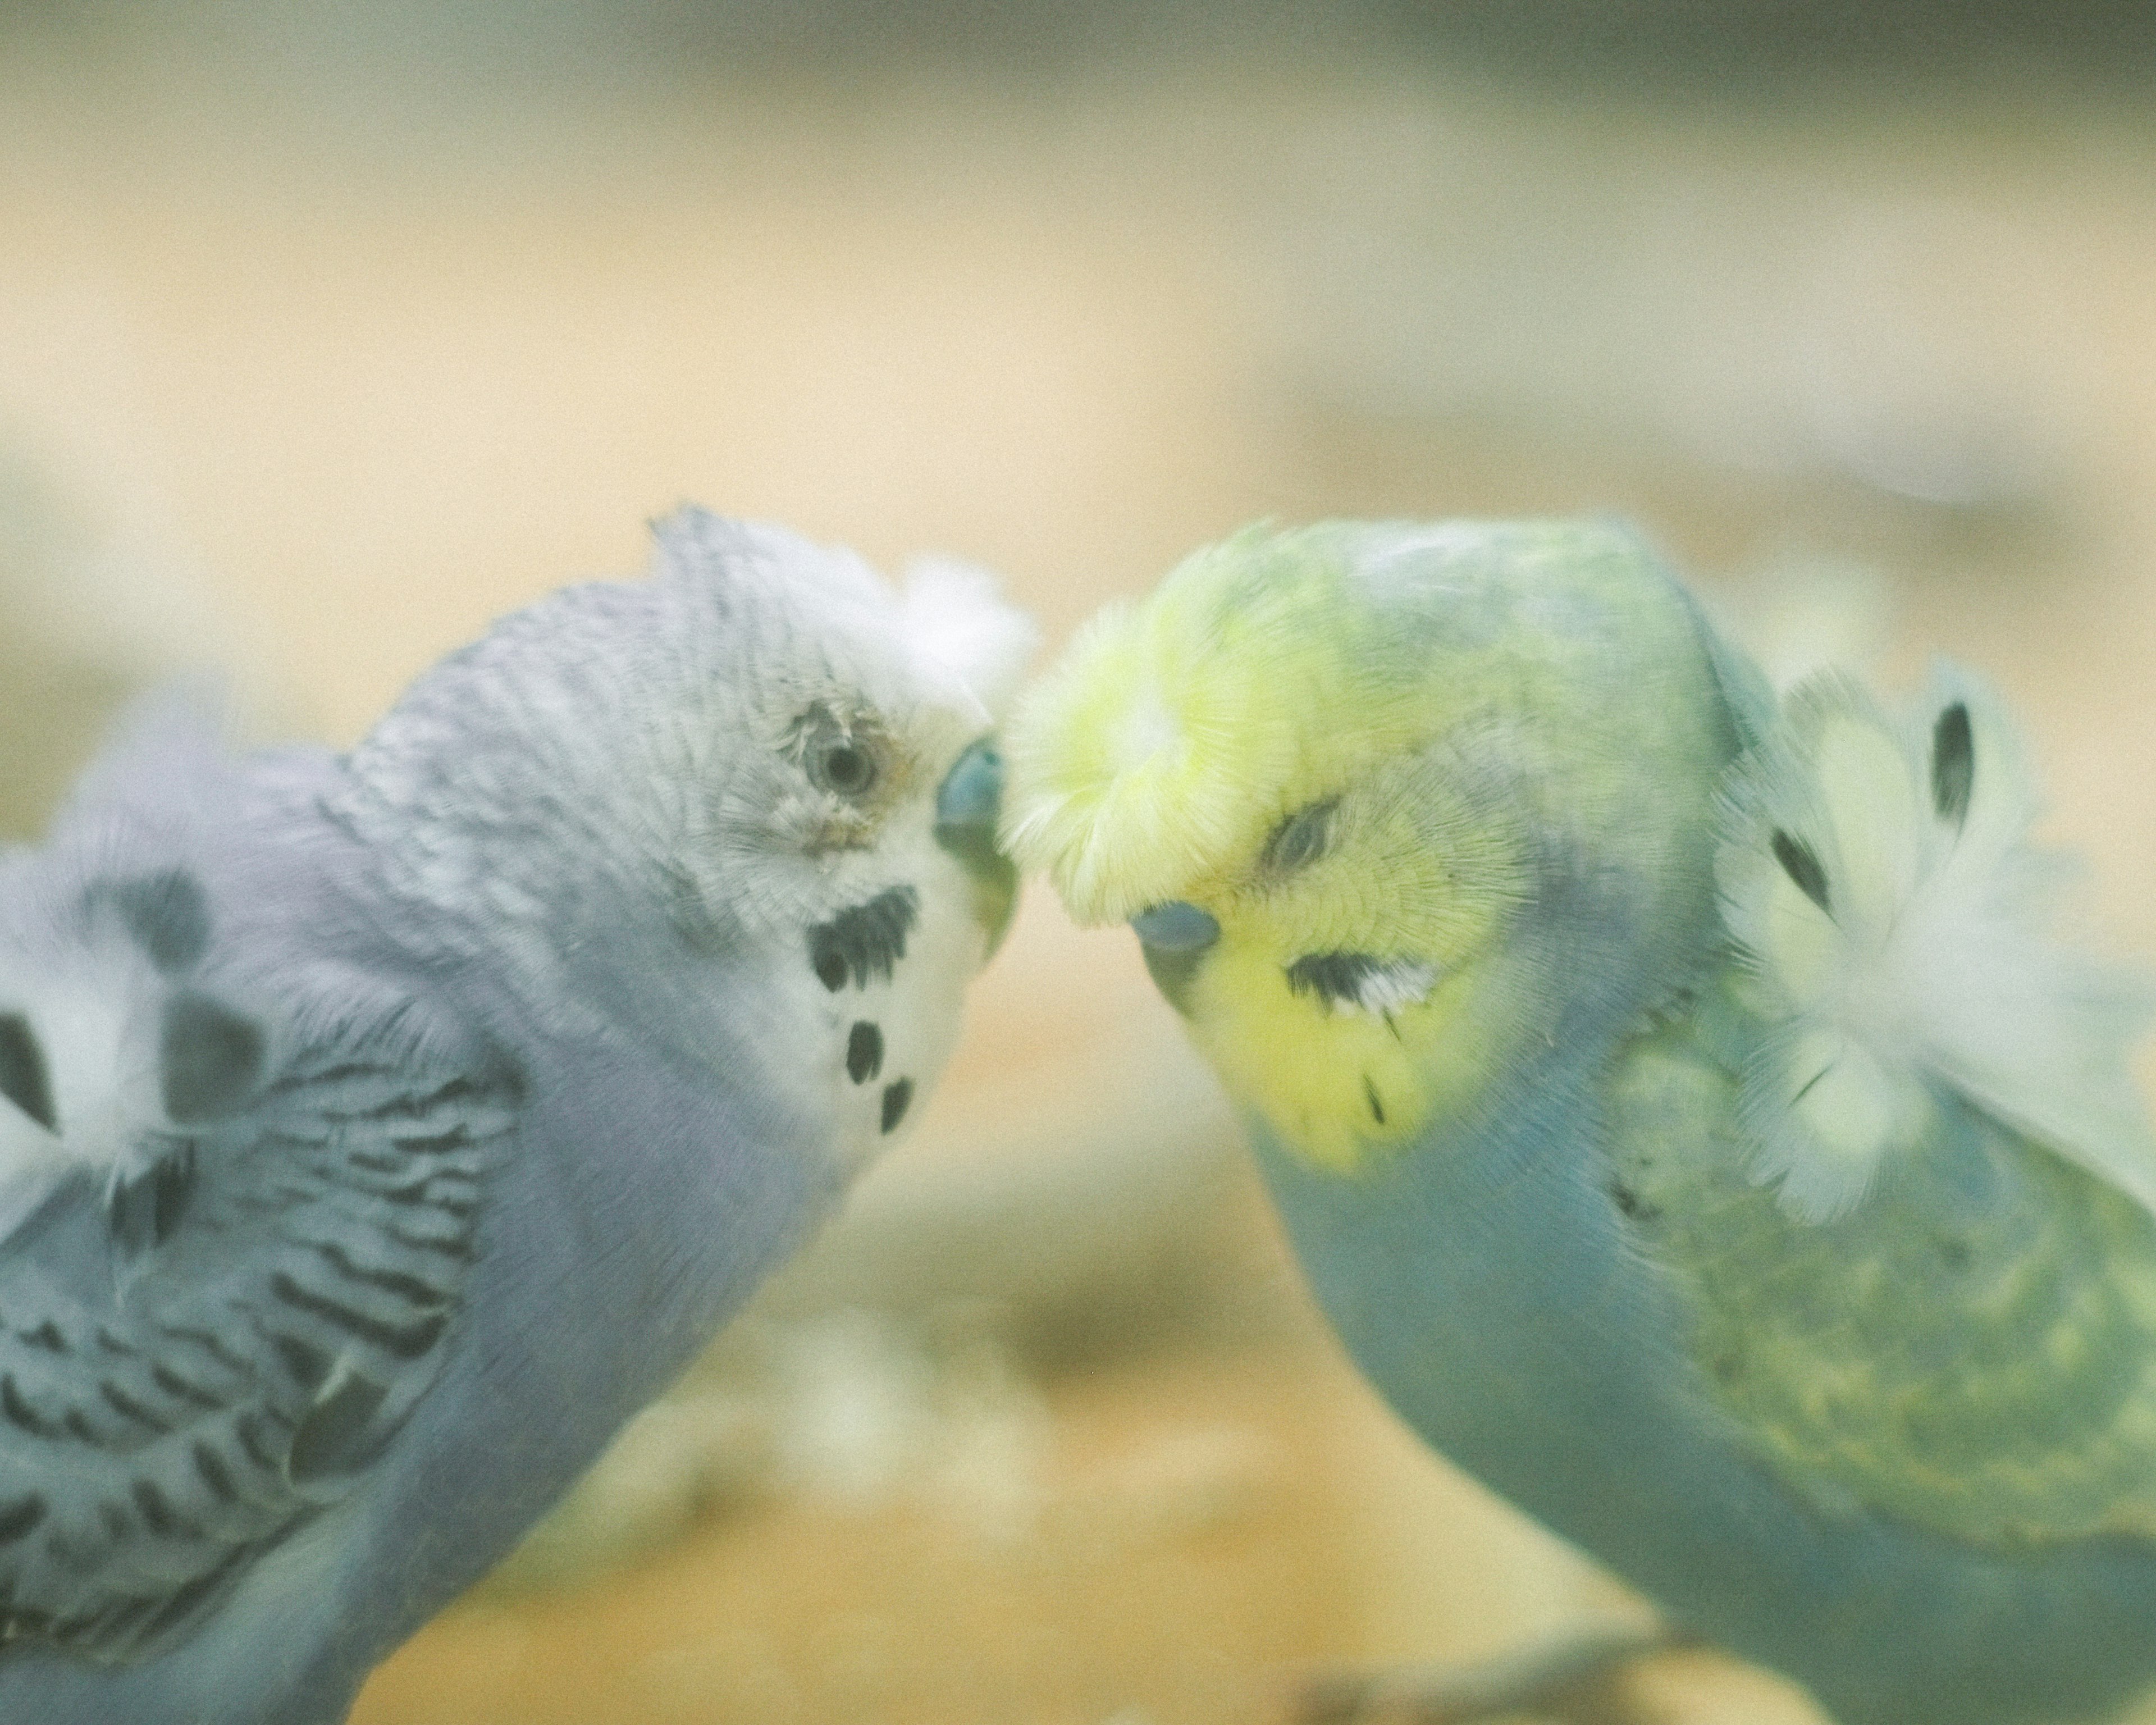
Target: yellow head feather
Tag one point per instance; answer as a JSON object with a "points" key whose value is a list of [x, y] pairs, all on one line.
{"points": [[1171, 734], [1450, 705]]}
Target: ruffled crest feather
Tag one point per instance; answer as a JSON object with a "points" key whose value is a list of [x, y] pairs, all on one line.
{"points": [[1132, 786], [1876, 875]]}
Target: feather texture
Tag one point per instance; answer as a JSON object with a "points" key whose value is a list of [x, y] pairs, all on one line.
{"points": [[1876, 875], [378, 1133], [1758, 1197]]}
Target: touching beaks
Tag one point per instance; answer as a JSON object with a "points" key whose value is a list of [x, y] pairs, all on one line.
{"points": [[968, 804], [1175, 938], [1176, 926], [970, 796]]}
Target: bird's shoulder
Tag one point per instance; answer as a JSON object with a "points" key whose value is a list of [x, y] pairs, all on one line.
{"points": [[1892, 924], [1972, 1348], [241, 1170], [1888, 1150]]}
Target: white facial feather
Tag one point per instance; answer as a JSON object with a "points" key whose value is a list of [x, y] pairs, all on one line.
{"points": [[1388, 987], [950, 616], [653, 727], [1877, 876], [622, 786]]}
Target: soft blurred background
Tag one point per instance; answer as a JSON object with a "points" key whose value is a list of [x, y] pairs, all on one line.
{"points": [[328, 333]]}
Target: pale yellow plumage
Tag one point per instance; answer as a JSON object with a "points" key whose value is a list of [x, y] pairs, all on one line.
{"points": [[1675, 1095]]}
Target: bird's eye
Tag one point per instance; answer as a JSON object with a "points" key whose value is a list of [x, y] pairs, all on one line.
{"points": [[843, 754], [844, 767], [1300, 839]]}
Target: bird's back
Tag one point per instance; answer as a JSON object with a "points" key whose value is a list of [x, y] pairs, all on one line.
{"points": [[1803, 1441]]}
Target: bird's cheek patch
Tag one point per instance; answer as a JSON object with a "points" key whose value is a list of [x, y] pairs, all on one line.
{"points": [[1337, 1087], [865, 941]]}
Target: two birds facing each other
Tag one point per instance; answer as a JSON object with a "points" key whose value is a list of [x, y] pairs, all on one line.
{"points": [[1670, 1089]]}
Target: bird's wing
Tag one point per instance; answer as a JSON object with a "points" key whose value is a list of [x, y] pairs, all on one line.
{"points": [[235, 1241], [1894, 1156], [1972, 1350], [1892, 916]]}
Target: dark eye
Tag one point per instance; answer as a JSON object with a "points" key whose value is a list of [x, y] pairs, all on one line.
{"points": [[844, 767], [1300, 839]]}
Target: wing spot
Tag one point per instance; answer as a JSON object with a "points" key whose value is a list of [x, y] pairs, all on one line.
{"points": [[114, 1622], [24, 1080], [455, 1247], [896, 1095], [1370, 1096], [420, 1191], [19, 1518], [182, 1602], [1954, 764], [249, 1431], [166, 914], [173, 1384], [409, 1287], [210, 1057], [440, 1144], [1801, 863], [209, 1343]]}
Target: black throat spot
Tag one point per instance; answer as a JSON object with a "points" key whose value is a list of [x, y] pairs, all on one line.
{"points": [[866, 940], [1333, 977]]}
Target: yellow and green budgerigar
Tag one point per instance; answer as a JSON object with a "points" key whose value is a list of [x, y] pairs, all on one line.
{"points": [[1673, 1091]]}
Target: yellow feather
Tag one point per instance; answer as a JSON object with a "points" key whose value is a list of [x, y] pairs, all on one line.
{"points": [[1460, 699]]}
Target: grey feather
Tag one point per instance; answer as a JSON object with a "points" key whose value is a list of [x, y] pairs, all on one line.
{"points": [[324, 1241], [378, 1133]]}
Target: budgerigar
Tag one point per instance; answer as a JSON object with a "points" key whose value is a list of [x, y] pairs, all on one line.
{"points": [[382, 1130], [1674, 1093]]}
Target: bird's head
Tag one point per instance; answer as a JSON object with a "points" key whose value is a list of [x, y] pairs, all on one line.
{"points": [[1333, 776], [758, 785]]}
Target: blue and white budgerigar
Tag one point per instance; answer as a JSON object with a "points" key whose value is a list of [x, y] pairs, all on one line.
{"points": [[1674, 1093], [381, 1131]]}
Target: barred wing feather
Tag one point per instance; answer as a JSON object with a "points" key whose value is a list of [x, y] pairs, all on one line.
{"points": [[205, 1346]]}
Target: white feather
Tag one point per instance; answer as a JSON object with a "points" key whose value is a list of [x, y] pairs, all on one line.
{"points": [[1391, 987], [94, 1020], [1929, 965], [953, 616]]}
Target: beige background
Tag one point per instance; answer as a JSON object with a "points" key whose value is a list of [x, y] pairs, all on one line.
{"points": [[316, 356]]}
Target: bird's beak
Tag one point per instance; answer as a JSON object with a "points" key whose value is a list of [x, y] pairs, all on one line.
{"points": [[966, 805], [1175, 938]]}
